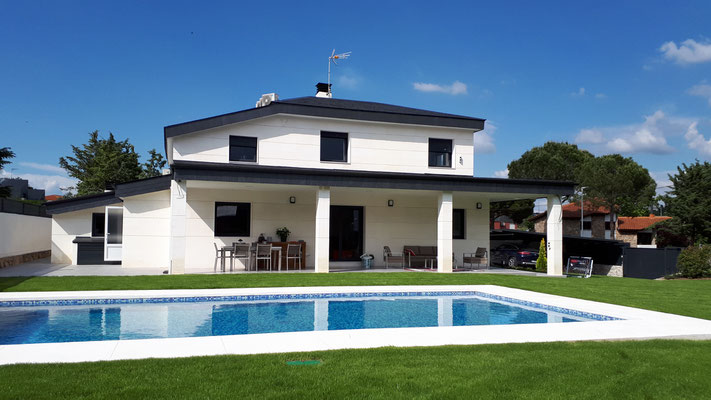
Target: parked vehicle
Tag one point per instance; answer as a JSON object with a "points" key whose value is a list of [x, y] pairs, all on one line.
{"points": [[513, 256]]}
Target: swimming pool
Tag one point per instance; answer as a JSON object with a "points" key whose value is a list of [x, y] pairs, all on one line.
{"points": [[79, 320], [158, 335]]}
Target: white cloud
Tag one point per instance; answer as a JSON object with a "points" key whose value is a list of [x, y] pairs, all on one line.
{"points": [[43, 167], [579, 93], [662, 180], [646, 137], [484, 140], [50, 183], [592, 136], [688, 52], [701, 90], [696, 141], [600, 96], [454, 89], [504, 173]]}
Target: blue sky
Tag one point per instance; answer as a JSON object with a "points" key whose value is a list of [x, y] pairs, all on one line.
{"points": [[628, 77]]}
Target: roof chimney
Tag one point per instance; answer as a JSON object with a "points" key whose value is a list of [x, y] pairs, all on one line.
{"points": [[267, 99], [323, 90]]}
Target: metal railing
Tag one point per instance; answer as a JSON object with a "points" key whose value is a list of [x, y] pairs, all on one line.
{"points": [[18, 207]]}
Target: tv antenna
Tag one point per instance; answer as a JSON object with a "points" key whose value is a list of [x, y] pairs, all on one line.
{"points": [[332, 59]]}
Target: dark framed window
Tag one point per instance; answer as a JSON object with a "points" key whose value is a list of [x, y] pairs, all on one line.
{"points": [[440, 153], [97, 224], [232, 219], [608, 225], [587, 225], [458, 224], [644, 237], [334, 146], [243, 148]]}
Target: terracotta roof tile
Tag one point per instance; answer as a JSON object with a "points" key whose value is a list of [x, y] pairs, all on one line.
{"points": [[572, 210], [638, 223]]}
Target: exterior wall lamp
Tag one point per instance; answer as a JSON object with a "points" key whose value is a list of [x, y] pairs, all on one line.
{"points": [[292, 199], [391, 203], [479, 206]]}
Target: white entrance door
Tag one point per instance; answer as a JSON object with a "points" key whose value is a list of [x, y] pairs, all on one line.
{"points": [[113, 233]]}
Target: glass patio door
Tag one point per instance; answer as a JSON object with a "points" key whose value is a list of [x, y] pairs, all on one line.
{"points": [[346, 242], [113, 233]]}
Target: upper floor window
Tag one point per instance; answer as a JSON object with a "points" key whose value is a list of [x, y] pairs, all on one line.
{"points": [[440, 153], [243, 148], [232, 219], [334, 146]]}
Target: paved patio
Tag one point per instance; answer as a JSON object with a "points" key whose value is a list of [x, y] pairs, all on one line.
{"points": [[43, 267]]}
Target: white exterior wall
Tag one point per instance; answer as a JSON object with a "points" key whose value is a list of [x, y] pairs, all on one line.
{"points": [[294, 141], [23, 234], [412, 220], [270, 210], [146, 230], [66, 227]]}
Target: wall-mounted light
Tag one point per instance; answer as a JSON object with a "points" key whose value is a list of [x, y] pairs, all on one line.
{"points": [[391, 203], [479, 206], [461, 161], [292, 199]]}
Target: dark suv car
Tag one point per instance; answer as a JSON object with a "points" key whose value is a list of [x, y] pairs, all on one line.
{"points": [[513, 256]]}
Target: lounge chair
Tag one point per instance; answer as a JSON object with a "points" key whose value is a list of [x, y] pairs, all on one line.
{"points": [[390, 257], [479, 257]]}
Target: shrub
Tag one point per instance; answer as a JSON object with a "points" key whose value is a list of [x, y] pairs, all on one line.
{"points": [[695, 262], [542, 261]]}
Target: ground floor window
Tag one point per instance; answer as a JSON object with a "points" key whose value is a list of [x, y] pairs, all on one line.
{"points": [[97, 224], [458, 224], [644, 238], [232, 219]]}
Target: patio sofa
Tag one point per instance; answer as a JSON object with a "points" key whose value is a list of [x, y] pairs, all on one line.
{"points": [[419, 255]]}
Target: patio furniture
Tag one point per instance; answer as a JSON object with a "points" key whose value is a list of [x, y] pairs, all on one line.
{"points": [[479, 257], [390, 257], [419, 256], [293, 252], [284, 250], [221, 253], [264, 253], [240, 251]]}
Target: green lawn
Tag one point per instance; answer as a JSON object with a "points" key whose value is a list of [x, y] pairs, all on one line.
{"points": [[590, 370], [595, 370], [685, 297]]}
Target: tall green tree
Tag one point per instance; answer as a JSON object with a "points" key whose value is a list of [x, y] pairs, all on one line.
{"points": [[554, 161], [5, 155], [689, 202], [101, 162], [154, 165], [618, 183]]}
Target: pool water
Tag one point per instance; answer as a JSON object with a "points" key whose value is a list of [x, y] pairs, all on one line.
{"points": [[170, 318]]}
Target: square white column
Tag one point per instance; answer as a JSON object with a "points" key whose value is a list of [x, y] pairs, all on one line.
{"points": [[444, 232], [178, 215], [323, 223], [554, 236]]}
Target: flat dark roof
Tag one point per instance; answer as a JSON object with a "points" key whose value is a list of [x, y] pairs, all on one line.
{"points": [[332, 108], [224, 172], [133, 188]]}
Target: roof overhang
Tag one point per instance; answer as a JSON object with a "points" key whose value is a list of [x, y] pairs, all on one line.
{"points": [[450, 121], [222, 172], [134, 188]]}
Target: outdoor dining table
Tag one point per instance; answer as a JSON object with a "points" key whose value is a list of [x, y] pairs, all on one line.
{"points": [[225, 250]]}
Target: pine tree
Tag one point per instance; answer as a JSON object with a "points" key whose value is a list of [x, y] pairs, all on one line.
{"points": [[542, 261]]}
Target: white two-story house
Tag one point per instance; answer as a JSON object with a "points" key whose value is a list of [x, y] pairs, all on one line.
{"points": [[345, 177]]}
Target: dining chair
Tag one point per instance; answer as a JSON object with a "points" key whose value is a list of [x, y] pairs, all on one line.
{"points": [[219, 255], [293, 252], [264, 252], [240, 251]]}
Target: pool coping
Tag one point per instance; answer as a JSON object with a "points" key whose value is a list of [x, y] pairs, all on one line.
{"points": [[632, 324]]}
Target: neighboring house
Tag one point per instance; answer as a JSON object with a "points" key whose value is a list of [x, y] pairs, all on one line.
{"points": [[52, 197], [639, 231], [596, 221], [20, 189], [347, 177], [504, 222]]}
